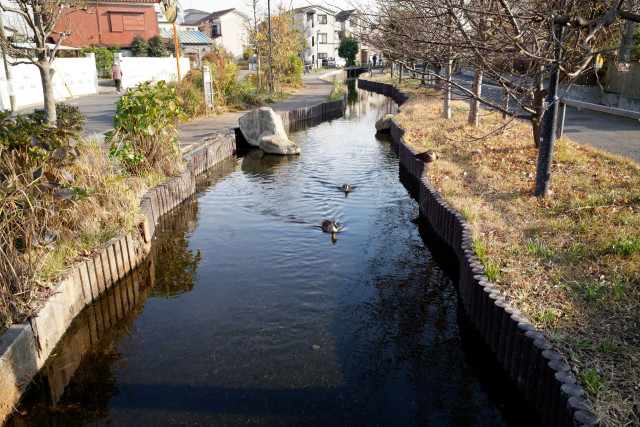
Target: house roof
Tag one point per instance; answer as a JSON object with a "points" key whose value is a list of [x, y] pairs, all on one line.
{"points": [[343, 15], [193, 16], [131, 1], [217, 14], [313, 7], [188, 37]]}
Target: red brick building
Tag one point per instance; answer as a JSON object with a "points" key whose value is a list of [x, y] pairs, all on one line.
{"points": [[108, 22]]}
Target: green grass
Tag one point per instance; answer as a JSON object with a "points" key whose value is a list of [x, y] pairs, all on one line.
{"points": [[536, 247], [592, 381]]}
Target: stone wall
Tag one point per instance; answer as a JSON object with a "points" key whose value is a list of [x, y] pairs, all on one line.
{"points": [[536, 369]]}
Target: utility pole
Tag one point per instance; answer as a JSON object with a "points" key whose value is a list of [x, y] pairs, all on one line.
{"points": [[271, 88], [7, 68]]}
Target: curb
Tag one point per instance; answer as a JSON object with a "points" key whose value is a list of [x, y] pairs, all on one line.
{"points": [[531, 363], [24, 348]]}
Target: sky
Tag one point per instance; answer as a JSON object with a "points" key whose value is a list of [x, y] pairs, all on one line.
{"points": [[245, 5]]}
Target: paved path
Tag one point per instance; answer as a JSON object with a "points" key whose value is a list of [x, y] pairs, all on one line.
{"points": [[101, 108]]}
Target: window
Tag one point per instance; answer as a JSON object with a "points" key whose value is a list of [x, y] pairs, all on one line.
{"points": [[116, 22], [352, 22], [310, 18], [322, 55], [322, 19], [336, 35], [133, 21], [313, 41], [121, 21], [322, 38], [214, 30]]}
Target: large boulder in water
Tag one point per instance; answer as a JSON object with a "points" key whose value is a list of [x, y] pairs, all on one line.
{"points": [[275, 144], [263, 128], [384, 124]]}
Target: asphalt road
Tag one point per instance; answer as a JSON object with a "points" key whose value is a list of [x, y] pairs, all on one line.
{"points": [[617, 135]]}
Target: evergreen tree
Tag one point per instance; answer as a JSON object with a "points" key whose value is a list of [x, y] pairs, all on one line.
{"points": [[104, 58], [139, 46], [348, 49], [157, 47]]}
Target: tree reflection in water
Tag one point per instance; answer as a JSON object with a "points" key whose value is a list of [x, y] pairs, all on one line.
{"points": [[78, 382]]}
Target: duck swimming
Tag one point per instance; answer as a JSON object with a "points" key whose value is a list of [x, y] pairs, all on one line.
{"points": [[427, 157], [346, 188], [329, 226]]}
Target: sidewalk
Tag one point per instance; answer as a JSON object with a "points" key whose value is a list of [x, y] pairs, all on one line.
{"points": [[316, 92]]}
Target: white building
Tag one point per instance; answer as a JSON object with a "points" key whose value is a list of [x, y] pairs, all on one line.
{"points": [[323, 28], [228, 28], [319, 26]]}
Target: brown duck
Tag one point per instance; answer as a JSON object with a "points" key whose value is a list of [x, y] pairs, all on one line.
{"points": [[427, 157]]}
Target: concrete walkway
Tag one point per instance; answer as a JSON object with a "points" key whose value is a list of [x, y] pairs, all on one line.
{"points": [[101, 108]]}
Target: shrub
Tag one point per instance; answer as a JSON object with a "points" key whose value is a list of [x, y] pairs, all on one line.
{"points": [[68, 116], [145, 128], [293, 72], [38, 189], [104, 59], [157, 47], [191, 92], [139, 46], [223, 75]]}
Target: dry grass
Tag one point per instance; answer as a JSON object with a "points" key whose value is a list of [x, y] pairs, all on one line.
{"points": [[81, 224], [569, 262]]}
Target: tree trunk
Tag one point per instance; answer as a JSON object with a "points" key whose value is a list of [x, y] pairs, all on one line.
{"points": [[46, 75], [539, 93], [437, 69], [400, 69], [626, 43], [446, 110], [474, 105], [536, 121]]}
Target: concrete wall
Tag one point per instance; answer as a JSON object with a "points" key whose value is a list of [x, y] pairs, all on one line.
{"points": [[25, 348], [136, 70], [73, 77], [527, 358], [594, 94], [624, 83]]}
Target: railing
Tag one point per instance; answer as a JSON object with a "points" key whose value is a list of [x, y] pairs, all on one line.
{"points": [[593, 107]]}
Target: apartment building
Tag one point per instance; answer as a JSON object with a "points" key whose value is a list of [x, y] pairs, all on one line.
{"points": [[319, 26]]}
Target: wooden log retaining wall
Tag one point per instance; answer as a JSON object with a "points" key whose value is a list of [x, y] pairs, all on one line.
{"points": [[24, 348], [529, 360]]}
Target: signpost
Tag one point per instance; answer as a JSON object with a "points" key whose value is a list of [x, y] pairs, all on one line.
{"points": [[208, 86]]}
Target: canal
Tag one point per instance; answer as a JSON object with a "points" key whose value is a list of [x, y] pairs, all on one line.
{"points": [[246, 312]]}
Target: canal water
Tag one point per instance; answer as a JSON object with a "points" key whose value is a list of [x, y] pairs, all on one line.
{"points": [[248, 313]]}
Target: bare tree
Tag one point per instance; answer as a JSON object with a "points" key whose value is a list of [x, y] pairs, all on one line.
{"points": [[39, 22], [512, 43]]}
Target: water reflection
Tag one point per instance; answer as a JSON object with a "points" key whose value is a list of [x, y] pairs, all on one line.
{"points": [[258, 163], [78, 382]]}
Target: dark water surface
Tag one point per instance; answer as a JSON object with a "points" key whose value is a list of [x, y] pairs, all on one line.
{"points": [[247, 313]]}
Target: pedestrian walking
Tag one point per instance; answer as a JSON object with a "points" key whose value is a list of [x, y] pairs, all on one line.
{"points": [[116, 75], [375, 59]]}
